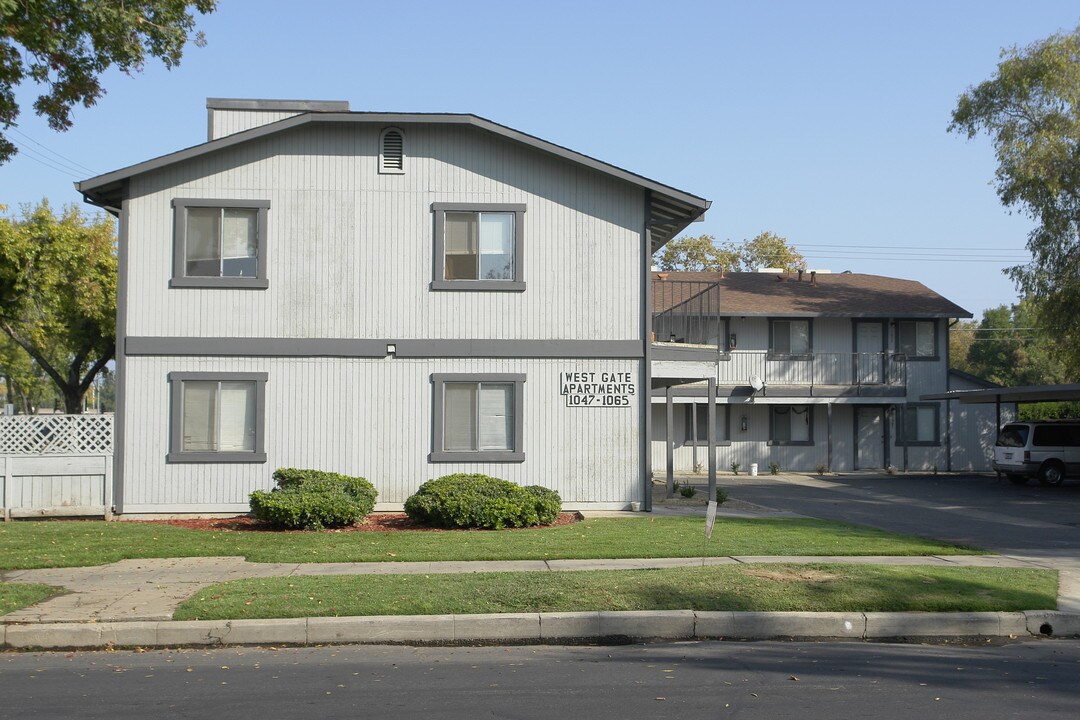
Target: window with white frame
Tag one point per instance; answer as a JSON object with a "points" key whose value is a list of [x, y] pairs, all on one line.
{"points": [[791, 424], [220, 243], [920, 424], [478, 418], [790, 337], [478, 246], [697, 423], [916, 338], [217, 417]]}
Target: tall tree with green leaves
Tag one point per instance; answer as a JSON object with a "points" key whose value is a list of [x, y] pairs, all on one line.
{"points": [[58, 294], [1030, 109], [703, 253], [64, 46]]}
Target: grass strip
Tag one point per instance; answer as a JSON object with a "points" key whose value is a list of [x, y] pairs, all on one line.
{"points": [[805, 587], [39, 544], [15, 596]]}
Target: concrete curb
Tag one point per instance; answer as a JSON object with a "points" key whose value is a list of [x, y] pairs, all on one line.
{"points": [[541, 628]]}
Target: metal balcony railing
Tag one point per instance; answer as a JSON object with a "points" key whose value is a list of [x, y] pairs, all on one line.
{"points": [[850, 369], [686, 311]]}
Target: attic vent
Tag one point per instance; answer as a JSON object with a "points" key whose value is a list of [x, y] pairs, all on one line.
{"points": [[392, 152]]}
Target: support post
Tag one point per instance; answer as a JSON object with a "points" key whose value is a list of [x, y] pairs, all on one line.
{"points": [[670, 442], [712, 439], [828, 430]]}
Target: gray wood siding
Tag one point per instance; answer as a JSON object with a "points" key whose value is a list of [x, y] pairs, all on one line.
{"points": [[350, 251], [227, 122], [374, 418]]}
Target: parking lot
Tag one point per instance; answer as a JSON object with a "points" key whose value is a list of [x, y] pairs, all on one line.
{"points": [[976, 510]]}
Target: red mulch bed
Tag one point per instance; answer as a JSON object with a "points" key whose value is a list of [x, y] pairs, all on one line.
{"points": [[376, 522]]}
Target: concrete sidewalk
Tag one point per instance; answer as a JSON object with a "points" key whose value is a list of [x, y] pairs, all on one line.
{"points": [[130, 603]]}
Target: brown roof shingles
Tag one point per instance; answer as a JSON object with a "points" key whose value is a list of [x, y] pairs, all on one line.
{"points": [[827, 295]]}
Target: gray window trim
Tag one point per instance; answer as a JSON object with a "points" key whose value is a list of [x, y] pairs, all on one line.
{"points": [[690, 441], [773, 355], [383, 168], [919, 358], [438, 455], [176, 412], [794, 443], [901, 422], [180, 280], [439, 282]]}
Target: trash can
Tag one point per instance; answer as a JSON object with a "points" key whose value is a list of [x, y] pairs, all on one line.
{"points": [[753, 468]]}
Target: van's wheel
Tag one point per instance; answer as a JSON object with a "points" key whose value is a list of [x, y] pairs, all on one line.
{"points": [[1018, 479], [1052, 473]]}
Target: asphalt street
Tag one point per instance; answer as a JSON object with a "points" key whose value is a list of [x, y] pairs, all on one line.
{"points": [[677, 680], [976, 510]]}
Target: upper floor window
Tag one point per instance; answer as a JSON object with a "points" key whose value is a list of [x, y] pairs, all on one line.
{"points": [[478, 246], [219, 243], [392, 152], [790, 337], [917, 339], [217, 417]]}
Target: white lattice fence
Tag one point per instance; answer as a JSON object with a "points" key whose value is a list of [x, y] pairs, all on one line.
{"points": [[56, 435], [55, 465]]}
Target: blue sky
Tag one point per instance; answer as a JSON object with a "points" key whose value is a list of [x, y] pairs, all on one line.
{"points": [[822, 122]]}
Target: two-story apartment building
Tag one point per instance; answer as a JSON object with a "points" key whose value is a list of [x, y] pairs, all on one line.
{"points": [[397, 296], [811, 370]]}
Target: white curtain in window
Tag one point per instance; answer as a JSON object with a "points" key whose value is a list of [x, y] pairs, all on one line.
{"points": [[800, 423], [237, 413], [497, 416], [459, 416], [923, 423], [238, 233], [800, 337], [200, 416], [497, 246], [459, 237], [924, 339]]}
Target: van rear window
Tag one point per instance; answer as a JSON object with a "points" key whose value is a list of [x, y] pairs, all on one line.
{"points": [[1013, 436], [1056, 436]]}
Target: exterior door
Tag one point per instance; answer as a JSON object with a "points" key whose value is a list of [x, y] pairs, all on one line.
{"points": [[869, 358], [869, 438]]}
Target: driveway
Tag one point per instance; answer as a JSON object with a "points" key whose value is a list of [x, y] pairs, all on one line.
{"points": [[978, 510]]}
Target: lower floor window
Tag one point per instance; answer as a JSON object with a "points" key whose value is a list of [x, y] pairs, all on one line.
{"points": [[920, 425], [697, 423], [478, 418], [217, 417], [791, 424]]}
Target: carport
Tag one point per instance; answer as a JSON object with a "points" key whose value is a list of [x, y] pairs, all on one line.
{"points": [[999, 395]]}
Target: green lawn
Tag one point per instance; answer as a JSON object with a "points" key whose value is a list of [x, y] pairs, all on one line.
{"points": [[39, 544], [815, 587], [16, 595]]}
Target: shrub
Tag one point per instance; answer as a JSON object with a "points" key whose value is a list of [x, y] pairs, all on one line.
{"points": [[721, 496], [480, 501], [774, 468], [688, 491], [313, 500], [735, 467]]}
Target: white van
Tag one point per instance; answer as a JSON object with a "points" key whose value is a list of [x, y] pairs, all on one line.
{"points": [[1047, 450]]}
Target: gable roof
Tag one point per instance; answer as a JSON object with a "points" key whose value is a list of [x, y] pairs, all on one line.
{"points": [[785, 295], [672, 209]]}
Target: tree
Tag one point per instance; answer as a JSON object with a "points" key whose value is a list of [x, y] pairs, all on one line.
{"points": [[1031, 110], [65, 46], [702, 253], [58, 294], [769, 250], [25, 385]]}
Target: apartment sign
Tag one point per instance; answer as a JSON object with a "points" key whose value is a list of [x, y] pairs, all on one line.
{"points": [[597, 389]]}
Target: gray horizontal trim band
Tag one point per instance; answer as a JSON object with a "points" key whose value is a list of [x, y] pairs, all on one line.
{"points": [[478, 285], [215, 457], [484, 456], [348, 347], [477, 207], [279, 105], [227, 281], [666, 352]]}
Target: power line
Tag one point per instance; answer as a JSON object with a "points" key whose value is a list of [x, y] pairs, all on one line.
{"points": [[906, 247], [29, 155], [75, 165]]}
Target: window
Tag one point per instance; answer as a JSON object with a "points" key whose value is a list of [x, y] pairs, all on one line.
{"points": [[220, 243], [791, 425], [920, 425], [392, 152], [478, 418], [478, 247], [217, 417], [790, 338], [917, 339], [697, 424]]}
